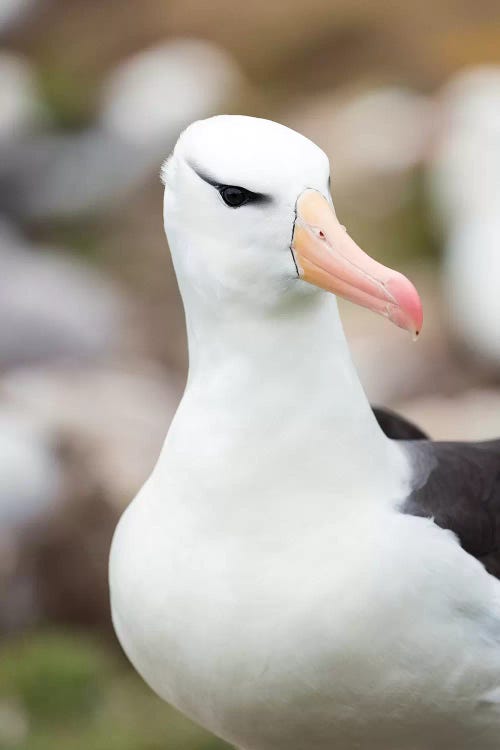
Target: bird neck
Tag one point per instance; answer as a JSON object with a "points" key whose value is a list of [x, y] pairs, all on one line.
{"points": [[298, 348], [273, 413], [280, 369]]}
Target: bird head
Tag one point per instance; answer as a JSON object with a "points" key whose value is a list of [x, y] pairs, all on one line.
{"points": [[249, 217]]}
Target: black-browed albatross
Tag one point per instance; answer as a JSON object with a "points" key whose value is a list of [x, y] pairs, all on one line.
{"points": [[287, 576]]}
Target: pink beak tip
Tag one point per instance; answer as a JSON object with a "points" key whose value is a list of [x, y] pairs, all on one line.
{"points": [[409, 303]]}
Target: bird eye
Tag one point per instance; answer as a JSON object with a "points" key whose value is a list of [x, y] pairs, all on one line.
{"points": [[234, 196]]}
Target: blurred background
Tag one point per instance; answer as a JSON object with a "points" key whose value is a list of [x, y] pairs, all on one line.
{"points": [[404, 98]]}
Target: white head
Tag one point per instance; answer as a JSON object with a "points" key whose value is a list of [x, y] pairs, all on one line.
{"points": [[249, 218]]}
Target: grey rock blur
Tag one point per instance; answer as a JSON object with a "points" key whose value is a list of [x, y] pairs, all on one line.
{"points": [[31, 477], [53, 306]]}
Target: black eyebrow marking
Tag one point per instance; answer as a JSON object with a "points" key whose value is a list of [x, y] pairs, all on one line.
{"points": [[254, 197], [204, 175]]}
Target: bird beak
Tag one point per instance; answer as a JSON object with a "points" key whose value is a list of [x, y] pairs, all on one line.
{"points": [[327, 257]]}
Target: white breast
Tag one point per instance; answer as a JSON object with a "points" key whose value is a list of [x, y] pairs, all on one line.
{"points": [[296, 639]]}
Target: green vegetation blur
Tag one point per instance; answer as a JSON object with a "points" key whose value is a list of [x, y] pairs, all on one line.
{"points": [[62, 689]]}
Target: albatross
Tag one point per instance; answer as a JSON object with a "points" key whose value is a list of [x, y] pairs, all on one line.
{"points": [[290, 576]]}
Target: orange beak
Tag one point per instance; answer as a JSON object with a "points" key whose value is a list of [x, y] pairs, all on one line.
{"points": [[327, 257]]}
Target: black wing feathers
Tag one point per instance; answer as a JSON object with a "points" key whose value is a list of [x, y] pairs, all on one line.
{"points": [[456, 484], [461, 492], [396, 427]]}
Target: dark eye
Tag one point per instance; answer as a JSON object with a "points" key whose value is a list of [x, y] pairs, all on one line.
{"points": [[234, 196]]}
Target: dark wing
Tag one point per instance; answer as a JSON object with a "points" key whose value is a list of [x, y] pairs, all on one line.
{"points": [[396, 427], [458, 485]]}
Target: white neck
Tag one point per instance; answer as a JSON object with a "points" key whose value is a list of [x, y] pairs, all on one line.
{"points": [[275, 396], [298, 350]]}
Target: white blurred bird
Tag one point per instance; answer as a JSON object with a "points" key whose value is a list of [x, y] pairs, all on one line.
{"points": [[145, 103], [464, 179]]}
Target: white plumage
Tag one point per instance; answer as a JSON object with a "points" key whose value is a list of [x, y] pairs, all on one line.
{"points": [[263, 581]]}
